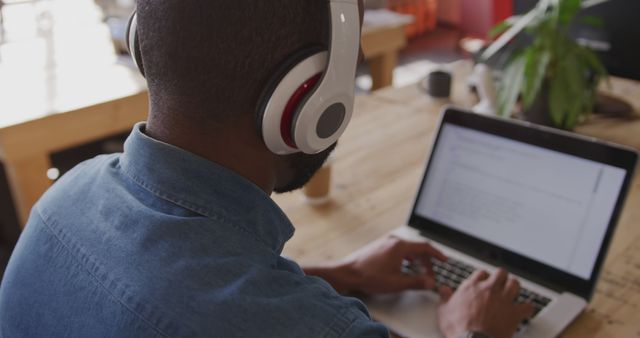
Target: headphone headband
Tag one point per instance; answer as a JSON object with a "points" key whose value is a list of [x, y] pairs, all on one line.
{"points": [[296, 115], [132, 41]]}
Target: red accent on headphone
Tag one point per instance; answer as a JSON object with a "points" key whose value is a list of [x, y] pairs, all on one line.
{"points": [[286, 124]]}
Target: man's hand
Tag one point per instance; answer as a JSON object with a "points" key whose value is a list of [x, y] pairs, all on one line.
{"points": [[483, 303], [378, 269]]}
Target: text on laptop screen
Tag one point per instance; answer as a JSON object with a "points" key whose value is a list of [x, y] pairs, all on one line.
{"points": [[545, 205]]}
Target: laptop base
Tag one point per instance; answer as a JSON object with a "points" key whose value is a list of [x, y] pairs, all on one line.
{"points": [[414, 313]]}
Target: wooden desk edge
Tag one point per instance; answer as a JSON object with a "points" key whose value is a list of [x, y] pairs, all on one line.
{"points": [[25, 149]]}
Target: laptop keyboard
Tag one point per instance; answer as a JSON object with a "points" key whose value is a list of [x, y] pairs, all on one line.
{"points": [[453, 272]]}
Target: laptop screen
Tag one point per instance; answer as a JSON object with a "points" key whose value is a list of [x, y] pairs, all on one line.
{"points": [[545, 205]]}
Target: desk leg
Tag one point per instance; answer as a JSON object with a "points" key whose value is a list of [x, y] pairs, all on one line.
{"points": [[381, 68], [28, 181]]}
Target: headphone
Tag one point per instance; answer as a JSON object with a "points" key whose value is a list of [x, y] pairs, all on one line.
{"points": [[308, 104]]}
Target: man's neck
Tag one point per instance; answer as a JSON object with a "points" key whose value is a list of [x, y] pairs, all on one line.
{"points": [[233, 148]]}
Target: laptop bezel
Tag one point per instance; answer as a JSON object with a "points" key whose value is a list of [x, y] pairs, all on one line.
{"points": [[549, 138]]}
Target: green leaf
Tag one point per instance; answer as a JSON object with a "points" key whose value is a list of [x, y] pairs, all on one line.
{"points": [[557, 102], [511, 85], [592, 59], [572, 115], [500, 28], [535, 71], [567, 92], [576, 103], [592, 21], [567, 10], [574, 75], [576, 108]]}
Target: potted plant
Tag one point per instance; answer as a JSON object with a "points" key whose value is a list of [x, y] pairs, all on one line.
{"points": [[554, 77]]}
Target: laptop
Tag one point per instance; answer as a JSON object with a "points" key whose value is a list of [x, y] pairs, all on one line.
{"points": [[540, 202]]}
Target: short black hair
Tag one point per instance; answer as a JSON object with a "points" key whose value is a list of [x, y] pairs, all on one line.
{"points": [[210, 60]]}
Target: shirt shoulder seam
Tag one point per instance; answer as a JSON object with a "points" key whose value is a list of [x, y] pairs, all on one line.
{"points": [[197, 209]]}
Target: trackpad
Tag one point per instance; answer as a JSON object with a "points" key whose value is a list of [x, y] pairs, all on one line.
{"points": [[409, 314]]}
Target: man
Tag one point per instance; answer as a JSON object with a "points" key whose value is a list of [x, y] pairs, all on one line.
{"points": [[177, 236]]}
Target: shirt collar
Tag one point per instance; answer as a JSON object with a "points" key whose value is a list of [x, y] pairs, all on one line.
{"points": [[204, 187]]}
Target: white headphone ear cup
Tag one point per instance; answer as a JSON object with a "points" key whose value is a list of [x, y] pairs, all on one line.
{"points": [[277, 119], [325, 114]]}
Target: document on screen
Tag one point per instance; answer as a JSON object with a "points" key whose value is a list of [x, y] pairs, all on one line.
{"points": [[545, 205]]}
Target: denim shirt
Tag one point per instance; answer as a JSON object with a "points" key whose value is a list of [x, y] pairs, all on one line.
{"points": [[158, 242]]}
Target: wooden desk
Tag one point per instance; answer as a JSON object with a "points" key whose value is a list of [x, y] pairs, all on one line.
{"points": [[377, 169], [27, 143], [381, 45], [70, 93]]}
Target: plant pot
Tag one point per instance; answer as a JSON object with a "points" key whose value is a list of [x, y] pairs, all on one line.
{"points": [[539, 112]]}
